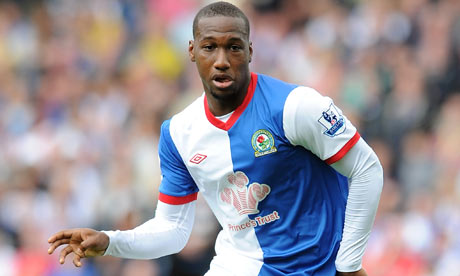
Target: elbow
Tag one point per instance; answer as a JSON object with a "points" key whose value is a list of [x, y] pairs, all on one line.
{"points": [[183, 236], [377, 173], [380, 175]]}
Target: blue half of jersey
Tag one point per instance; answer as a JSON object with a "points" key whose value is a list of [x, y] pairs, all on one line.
{"points": [[308, 194]]}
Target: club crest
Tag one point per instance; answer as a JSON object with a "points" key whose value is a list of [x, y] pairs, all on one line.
{"points": [[263, 143], [333, 121]]}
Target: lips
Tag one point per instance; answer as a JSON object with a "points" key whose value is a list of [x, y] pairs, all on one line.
{"points": [[222, 81]]}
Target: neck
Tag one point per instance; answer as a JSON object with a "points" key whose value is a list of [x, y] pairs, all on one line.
{"points": [[221, 105]]}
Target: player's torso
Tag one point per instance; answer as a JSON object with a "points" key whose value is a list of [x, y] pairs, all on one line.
{"points": [[265, 192]]}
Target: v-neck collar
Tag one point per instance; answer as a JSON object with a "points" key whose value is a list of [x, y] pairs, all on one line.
{"points": [[238, 111]]}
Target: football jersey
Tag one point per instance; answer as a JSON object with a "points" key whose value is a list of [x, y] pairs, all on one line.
{"points": [[265, 174]]}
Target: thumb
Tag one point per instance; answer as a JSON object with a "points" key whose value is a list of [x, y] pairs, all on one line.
{"points": [[95, 244], [88, 243]]}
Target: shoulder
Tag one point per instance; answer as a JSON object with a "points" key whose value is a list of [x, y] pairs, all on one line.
{"points": [[175, 129], [186, 118], [270, 84], [276, 91], [306, 96], [280, 95], [271, 93], [307, 105]]}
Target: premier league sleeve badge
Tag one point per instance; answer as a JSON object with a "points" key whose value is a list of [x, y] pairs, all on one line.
{"points": [[332, 121]]}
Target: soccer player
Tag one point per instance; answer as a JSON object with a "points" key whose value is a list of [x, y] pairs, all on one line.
{"points": [[293, 185]]}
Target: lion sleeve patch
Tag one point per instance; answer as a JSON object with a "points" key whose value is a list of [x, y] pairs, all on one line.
{"points": [[332, 121]]}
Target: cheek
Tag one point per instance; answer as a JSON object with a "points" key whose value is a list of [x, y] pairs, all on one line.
{"points": [[242, 65], [202, 68], [203, 62]]}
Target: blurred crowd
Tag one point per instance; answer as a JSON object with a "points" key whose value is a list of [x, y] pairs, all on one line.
{"points": [[85, 85]]}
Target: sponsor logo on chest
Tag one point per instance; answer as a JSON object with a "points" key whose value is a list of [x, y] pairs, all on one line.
{"points": [[245, 200]]}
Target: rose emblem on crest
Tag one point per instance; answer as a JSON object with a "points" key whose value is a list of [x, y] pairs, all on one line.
{"points": [[263, 142]]}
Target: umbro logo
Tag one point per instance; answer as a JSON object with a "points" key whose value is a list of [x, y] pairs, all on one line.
{"points": [[198, 158]]}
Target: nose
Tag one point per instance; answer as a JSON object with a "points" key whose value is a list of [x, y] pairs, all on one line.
{"points": [[221, 62]]}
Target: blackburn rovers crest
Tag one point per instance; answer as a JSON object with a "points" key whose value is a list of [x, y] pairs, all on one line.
{"points": [[263, 143], [332, 121]]}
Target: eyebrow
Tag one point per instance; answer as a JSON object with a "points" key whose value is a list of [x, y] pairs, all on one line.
{"points": [[231, 39]]}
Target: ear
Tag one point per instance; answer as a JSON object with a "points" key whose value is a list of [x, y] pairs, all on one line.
{"points": [[191, 47], [250, 51]]}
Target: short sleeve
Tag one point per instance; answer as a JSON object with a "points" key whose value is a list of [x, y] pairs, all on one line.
{"points": [[314, 122], [177, 185]]}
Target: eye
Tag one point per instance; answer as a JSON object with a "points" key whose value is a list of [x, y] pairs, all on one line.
{"points": [[235, 47], [208, 47]]}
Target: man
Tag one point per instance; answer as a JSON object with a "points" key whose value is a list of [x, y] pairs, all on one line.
{"points": [[270, 158]]}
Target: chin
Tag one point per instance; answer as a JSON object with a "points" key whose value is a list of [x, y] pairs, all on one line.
{"points": [[223, 95]]}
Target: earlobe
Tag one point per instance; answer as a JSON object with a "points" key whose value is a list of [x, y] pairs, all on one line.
{"points": [[250, 52], [190, 50]]}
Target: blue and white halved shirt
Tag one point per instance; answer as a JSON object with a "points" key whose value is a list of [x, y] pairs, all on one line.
{"points": [[265, 174]]}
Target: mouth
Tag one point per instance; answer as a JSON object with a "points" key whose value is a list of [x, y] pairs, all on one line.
{"points": [[222, 81]]}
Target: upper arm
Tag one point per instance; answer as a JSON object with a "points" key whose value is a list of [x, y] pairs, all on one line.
{"points": [[177, 185], [358, 160], [314, 122]]}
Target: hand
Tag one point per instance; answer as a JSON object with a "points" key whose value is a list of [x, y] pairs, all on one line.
{"points": [[360, 272], [83, 242]]}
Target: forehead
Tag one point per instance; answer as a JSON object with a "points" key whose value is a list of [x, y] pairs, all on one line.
{"points": [[217, 26]]}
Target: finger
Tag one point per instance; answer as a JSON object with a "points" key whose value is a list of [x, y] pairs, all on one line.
{"points": [[79, 252], [65, 234], [77, 260], [66, 251], [56, 244]]}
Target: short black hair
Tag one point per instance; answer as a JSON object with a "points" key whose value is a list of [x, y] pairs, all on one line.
{"points": [[220, 8]]}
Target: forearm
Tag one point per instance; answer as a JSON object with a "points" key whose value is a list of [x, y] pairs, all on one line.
{"points": [[163, 235], [365, 174]]}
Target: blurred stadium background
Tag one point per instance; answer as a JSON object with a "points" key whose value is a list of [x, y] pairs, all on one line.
{"points": [[84, 86]]}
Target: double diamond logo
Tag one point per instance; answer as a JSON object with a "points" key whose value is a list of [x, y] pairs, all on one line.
{"points": [[198, 158]]}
